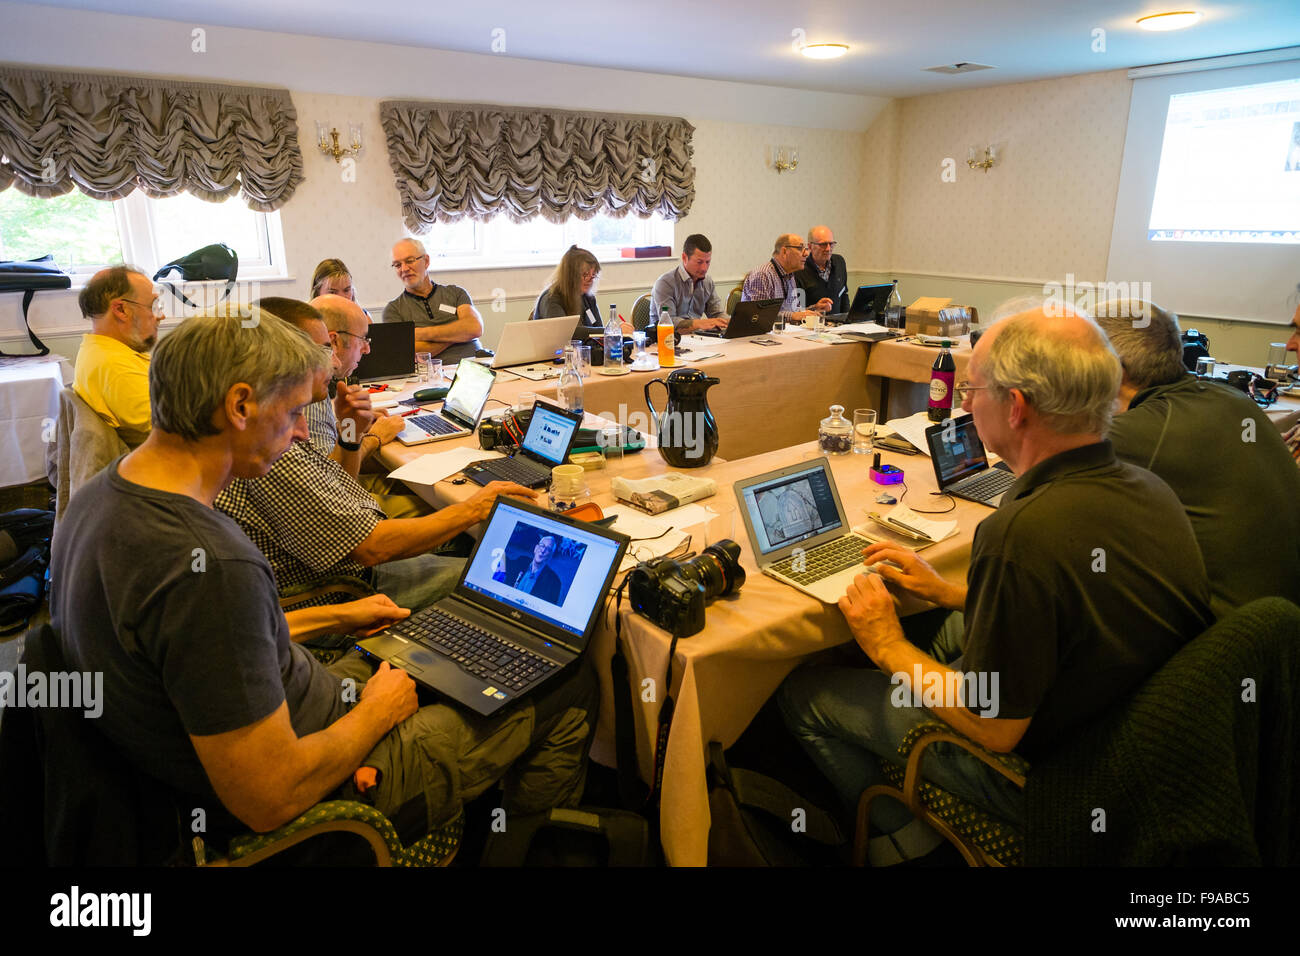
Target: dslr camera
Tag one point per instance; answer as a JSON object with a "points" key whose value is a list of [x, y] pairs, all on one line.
{"points": [[673, 593]]}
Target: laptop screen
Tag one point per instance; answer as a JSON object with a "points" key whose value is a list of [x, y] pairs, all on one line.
{"points": [[549, 434], [791, 508], [957, 450], [469, 393], [392, 352], [549, 569]]}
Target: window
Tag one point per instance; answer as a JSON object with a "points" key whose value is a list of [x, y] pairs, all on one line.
{"points": [[85, 234], [500, 243]]}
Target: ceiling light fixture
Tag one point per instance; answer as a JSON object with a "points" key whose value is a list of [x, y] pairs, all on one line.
{"points": [[1169, 21], [825, 51]]}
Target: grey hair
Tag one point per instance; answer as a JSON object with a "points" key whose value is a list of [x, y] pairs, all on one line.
{"points": [[1073, 388], [413, 241], [103, 287], [194, 367], [1151, 348], [335, 317]]}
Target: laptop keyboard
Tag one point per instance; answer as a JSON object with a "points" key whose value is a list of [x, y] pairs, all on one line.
{"points": [[435, 425], [824, 560], [477, 651], [992, 483], [511, 469]]}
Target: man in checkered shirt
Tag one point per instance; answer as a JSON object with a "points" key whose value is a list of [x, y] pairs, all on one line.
{"points": [[314, 521]]}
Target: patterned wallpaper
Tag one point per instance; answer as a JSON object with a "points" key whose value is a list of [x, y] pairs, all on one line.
{"points": [[1044, 210]]}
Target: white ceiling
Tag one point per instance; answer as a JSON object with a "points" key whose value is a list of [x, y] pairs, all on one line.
{"points": [[892, 41]]}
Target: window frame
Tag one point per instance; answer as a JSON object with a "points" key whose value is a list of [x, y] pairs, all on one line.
{"points": [[488, 256]]}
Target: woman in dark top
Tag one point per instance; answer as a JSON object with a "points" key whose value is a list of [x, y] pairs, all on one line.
{"points": [[570, 292]]}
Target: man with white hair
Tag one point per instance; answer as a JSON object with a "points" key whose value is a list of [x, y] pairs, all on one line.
{"points": [[1216, 449], [1066, 609], [446, 322], [825, 275]]}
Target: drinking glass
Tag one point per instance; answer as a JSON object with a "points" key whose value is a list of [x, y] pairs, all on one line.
{"points": [[864, 431], [524, 401], [422, 365], [1204, 367], [583, 353]]}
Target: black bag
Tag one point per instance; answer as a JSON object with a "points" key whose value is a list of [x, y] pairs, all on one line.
{"points": [[759, 821], [28, 278], [586, 836], [24, 560], [1195, 345], [217, 261]]}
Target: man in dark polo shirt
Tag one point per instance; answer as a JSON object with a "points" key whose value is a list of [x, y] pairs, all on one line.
{"points": [[446, 322], [203, 688], [1081, 584], [1216, 449], [824, 275]]}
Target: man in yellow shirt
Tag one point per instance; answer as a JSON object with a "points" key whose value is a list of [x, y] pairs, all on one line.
{"points": [[112, 370]]}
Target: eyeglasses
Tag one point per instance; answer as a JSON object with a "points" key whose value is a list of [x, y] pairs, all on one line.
{"points": [[963, 390], [363, 338], [826, 245], [408, 261], [156, 306], [800, 248]]}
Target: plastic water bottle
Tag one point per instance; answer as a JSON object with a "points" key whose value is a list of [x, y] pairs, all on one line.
{"points": [[894, 309], [613, 339], [667, 339], [569, 389]]}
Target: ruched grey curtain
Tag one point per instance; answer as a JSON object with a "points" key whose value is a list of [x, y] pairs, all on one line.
{"points": [[107, 135], [454, 160]]}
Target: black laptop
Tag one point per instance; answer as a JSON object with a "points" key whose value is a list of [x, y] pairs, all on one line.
{"points": [[392, 352], [868, 305], [521, 615], [961, 466], [547, 443], [750, 318]]}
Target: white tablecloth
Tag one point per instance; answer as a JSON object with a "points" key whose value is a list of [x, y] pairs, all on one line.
{"points": [[29, 405]]}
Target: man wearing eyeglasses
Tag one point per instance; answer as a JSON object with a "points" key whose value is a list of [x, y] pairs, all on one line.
{"points": [[112, 368], [824, 277], [775, 279], [446, 323]]}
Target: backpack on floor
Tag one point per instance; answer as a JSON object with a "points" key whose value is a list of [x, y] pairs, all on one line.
{"points": [[24, 563]]}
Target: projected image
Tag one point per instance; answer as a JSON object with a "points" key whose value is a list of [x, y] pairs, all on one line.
{"points": [[1225, 166], [538, 563], [788, 511]]}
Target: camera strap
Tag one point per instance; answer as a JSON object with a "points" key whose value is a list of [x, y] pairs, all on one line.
{"points": [[630, 788]]}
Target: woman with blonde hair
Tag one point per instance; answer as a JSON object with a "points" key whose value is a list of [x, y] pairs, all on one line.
{"points": [[332, 278], [570, 292]]}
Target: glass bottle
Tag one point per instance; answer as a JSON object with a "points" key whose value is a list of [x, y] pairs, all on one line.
{"points": [[569, 389], [894, 309], [613, 339], [667, 339], [942, 374], [835, 434]]}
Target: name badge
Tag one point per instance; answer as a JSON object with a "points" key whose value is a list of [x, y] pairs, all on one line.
{"points": [[444, 307]]}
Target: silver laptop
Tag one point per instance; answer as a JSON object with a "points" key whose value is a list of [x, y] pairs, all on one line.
{"points": [[461, 409], [535, 341], [798, 531], [961, 466], [521, 615]]}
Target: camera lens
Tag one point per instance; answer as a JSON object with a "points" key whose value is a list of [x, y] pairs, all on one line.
{"points": [[718, 569]]}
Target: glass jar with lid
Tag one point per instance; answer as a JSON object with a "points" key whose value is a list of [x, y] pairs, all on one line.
{"points": [[835, 434]]}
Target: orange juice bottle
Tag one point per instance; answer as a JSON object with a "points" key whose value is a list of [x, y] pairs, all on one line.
{"points": [[667, 340]]}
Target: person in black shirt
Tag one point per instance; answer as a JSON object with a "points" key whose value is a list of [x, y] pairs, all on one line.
{"points": [[824, 275]]}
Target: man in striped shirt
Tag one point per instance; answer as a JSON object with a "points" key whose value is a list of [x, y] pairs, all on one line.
{"points": [[775, 279]]}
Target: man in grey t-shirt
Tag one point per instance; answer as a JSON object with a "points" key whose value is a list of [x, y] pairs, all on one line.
{"points": [[446, 322]]}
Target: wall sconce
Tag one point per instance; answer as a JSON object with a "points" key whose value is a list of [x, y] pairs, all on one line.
{"points": [[328, 141], [989, 160], [785, 157]]}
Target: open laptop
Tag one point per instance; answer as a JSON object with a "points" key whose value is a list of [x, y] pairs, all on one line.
{"points": [[461, 409], [961, 466], [868, 305], [535, 341], [547, 443], [798, 530], [392, 352], [750, 318], [509, 628]]}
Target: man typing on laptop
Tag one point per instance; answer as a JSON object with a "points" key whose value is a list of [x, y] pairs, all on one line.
{"points": [[204, 689], [1066, 608]]}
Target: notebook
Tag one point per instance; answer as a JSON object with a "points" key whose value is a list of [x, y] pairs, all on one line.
{"points": [[521, 614], [535, 341], [961, 466], [392, 352], [547, 443], [461, 409], [798, 531]]}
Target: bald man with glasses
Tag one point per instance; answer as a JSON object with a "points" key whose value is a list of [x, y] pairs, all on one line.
{"points": [[825, 276], [775, 279]]}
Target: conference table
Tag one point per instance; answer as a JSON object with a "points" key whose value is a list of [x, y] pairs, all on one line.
{"points": [[29, 406], [752, 639]]}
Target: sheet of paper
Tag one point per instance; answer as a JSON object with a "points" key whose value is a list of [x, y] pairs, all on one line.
{"points": [[828, 338], [912, 429], [656, 535], [905, 517], [867, 328], [432, 468]]}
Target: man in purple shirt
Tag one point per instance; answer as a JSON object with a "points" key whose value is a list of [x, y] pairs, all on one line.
{"points": [[775, 279]]}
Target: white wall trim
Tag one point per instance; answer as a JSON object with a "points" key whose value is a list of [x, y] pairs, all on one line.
{"points": [[1216, 62]]}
